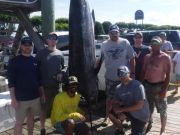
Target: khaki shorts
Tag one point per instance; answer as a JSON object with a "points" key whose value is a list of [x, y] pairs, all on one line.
{"points": [[110, 87], [27, 107], [152, 93], [50, 94]]}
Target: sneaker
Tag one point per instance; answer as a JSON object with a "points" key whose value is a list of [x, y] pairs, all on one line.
{"points": [[163, 133], [43, 132]]}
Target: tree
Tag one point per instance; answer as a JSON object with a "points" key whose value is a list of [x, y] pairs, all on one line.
{"points": [[62, 24], [98, 28], [122, 25], [62, 27], [106, 25], [37, 22], [62, 20]]}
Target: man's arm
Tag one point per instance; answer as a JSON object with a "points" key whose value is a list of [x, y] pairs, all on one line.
{"points": [[133, 64], [136, 106], [14, 102], [164, 88], [142, 74], [11, 80]]}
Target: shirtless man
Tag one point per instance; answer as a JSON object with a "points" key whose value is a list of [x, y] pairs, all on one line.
{"points": [[156, 77]]}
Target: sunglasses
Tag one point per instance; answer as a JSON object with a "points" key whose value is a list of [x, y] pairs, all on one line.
{"points": [[52, 37], [155, 43], [114, 32]]}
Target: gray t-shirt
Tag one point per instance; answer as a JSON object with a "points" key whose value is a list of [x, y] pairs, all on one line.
{"points": [[116, 54], [129, 95], [166, 46], [51, 63]]}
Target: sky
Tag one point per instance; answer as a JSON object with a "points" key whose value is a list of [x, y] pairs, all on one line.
{"points": [[158, 12]]}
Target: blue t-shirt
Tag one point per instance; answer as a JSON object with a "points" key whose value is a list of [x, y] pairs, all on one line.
{"points": [[129, 95], [24, 76], [139, 57]]}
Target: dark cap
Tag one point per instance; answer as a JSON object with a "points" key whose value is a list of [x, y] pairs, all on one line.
{"points": [[26, 40], [72, 80], [122, 71], [163, 34], [138, 33], [114, 27]]}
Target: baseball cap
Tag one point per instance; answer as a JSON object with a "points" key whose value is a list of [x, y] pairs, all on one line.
{"points": [[26, 40], [138, 34], [52, 36], [73, 80], [162, 34], [155, 41], [114, 27], [122, 71]]}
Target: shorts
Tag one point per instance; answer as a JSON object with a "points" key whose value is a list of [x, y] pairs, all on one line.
{"points": [[152, 93], [80, 127], [137, 126], [110, 87], [50, 94], [177, 77], [27, 107]]}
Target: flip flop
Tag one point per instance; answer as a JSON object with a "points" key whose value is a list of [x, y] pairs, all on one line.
{"points": [[174, 92]]}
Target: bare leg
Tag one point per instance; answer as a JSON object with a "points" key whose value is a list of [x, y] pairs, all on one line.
{"points": [[30, 123], [108, 107], [18, 128], [177, 82], [69, 129], [117, 123], [42, 119], [163, 124]]}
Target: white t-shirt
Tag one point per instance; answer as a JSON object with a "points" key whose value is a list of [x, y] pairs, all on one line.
{"points": [[116, 54], [177, 59], [166, 46]]}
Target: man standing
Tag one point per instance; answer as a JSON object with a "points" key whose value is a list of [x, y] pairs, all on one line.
{"points": [[129, 101], [166, 45], [156, 76], [141, 51], [25, 87], [51, 63], [116, 51]]}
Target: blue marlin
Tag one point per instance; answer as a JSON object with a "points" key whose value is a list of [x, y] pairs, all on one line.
{"points": [[82, 48]]}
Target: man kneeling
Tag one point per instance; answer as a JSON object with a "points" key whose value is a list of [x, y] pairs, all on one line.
{"points": [[65, 115], [129, 101]]}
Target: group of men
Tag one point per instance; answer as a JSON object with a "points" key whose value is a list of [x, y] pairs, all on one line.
{"points": [[35, 85], [137, 78], [33, 82], [125, 63]]}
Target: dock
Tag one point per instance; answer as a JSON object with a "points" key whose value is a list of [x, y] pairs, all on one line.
{"points": [[172, 128]]}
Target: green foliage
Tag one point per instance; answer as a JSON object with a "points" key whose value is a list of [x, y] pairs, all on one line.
{"points": [[62, 24], [62, 27], [62, 20], [98, 28], [122, 25], [5, 18], [106, 25], [37, 22]]}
